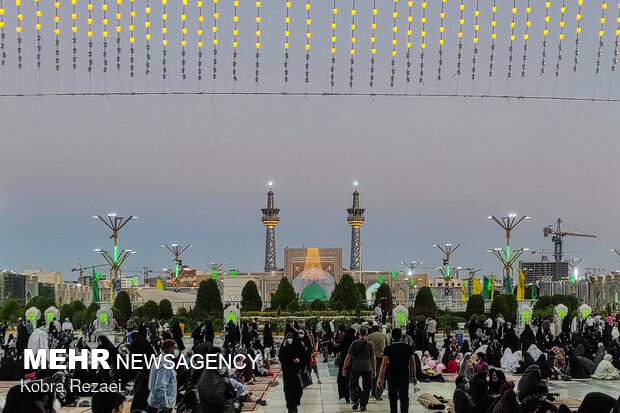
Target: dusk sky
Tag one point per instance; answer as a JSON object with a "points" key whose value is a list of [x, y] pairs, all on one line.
{"points": [[194, 169]]}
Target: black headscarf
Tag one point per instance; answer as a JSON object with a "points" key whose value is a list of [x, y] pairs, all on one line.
{"points": [[177, 335], [209, 335], [343, 347], [496, 386], [267, 337]]}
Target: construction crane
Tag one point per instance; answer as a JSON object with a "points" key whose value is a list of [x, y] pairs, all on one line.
{"points": [[557, 237], [81, 269]]}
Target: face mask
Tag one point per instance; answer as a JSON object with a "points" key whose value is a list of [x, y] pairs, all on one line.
{"points": [[289, 340], [466, 386], [221, 371], [301, 334], [404, 332], [176, 353]]}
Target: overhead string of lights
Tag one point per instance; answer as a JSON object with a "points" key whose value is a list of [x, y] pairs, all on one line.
{"points": [[614, 60], [257, 41], [442, 15], [409, 22], [18, 29], [423, 44], [74, 31], [104, 33], [526, 35], [215, 40], [200, 44], [394, 31], [493, 37], [333, 49], [308, 35], [353, 11], [2, 34], [578, 30], [561, 38], [164, 41], [545, 33], [183, 39], [90, 36], [475, 40], [512, 37], [118, 34], [132, 40], [147, 26], [373, 50], [461, 23], [287, 21], [600, 37], [38, 27], [56, 33], [235, 43]]}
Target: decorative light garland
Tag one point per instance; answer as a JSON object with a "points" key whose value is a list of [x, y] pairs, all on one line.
{"points": [[476, 28], [561, 38], [38, 27], [257, 41], [56, 33], [353, 11], [600, 37], [394, 30], [18, 29], [2, 34], [215, 40], [512, 37], [526, 35], [409, 21], [74, 31], [164, 41], [118, 34], [200, 44], [545, 33], [441, 30], [461, 23], [90, 36], [104, 33], [614, 61], [423, 44], [308, 35], [578, 30], [183, 39], [333, 49], [373, 50], [235, 43], [493, 36]]}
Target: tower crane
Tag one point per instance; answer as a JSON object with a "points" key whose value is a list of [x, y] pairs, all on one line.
{"points": [[557, 236], [81, 269]]}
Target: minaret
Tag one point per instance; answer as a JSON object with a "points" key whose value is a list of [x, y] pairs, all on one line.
{"points": [[270, 220], [355, 219]]}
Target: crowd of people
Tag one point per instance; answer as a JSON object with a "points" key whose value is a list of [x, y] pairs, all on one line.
{"points": [[371, 357]]}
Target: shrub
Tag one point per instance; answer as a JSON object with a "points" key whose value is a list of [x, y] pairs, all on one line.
{"points": [[284, 295], [208, 301], [122, 303], [362, 289], [475, 305], [42, 303], [11, 311], [293, 306], [150, 309], [165, 309], [318, 305], [66, 312], [338, 306], [77, 305], [543, 302], [425, 303], [513, 305], [250, 298], [182, 313], [79, 319], [499, 306], [347, 293], [383, 291]]}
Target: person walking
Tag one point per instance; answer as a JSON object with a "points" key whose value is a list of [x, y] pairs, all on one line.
{"points": [[402, 370], [378, 340], [431, 329], [163, 381], [361, 357], [292, 359]]}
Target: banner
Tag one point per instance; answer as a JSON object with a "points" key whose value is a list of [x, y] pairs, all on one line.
{"points": [[508, 284], [159, 284], [521, 286], [96, 297], [486, 290], [477, 286], [463, 293], [534, 292]]}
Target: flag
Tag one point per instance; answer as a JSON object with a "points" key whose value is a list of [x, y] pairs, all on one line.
{"points": [[534, 291], [477, 286], [159, 284], [96, 297], [486, 290], [508, 284], [463, 294], [521, 286]]}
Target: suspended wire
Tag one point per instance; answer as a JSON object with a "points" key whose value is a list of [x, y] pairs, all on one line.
{"points": [[353, 11], [600, 37], [528, 23], [372, 43], [423, 44], [476, 28], [235, 43], [308, 35], [512, 37], [545, 33], [394, 31], [614, 61], [493, 36], [132, 40], [561, 37], [183, 39], [409, 21], [333, 49], [461, 23], [215, 39], [578, 29], [287, 20], [38, 27], [442, 15], [2, 34]]}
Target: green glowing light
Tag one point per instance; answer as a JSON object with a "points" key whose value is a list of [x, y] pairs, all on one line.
{"points": [[176, 271], [400, 319], [411, 283], [115, 253], [214, 273], [562, 314], [447, 271], [233, 273], [231, 317], [393, 274], [31, 317], [381, 280], [50, 317], [526, 317], [133, 281], [103, 317], [507, 252], [572, 278], [97, 275]]}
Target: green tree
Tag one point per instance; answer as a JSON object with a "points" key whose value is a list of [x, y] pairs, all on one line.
{"points": [[11, 311], [383, 291], [475, 305], [362, 288], [150, 309], [208, 300], [425, 303], [542, 302], [66, 312], [79, 318], [250, 298], [347, 293], [42, 303], [165, 309], [284, 295], [77, 305], [513, 305], [122, 303], [499, 306], [293, 306], [91, 312], [318, 305]]}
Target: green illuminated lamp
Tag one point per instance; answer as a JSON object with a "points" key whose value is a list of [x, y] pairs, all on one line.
{"points": [[526, 317]]}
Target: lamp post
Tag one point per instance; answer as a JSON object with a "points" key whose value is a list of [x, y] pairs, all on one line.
{"points": [[115, 224], [177, 250], [115, 261], [215, 267], [412, 265], [508, 258], [445, 270]]}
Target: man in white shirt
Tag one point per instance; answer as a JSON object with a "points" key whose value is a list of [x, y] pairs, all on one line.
{"points": [[39, 339], [67, 325]]}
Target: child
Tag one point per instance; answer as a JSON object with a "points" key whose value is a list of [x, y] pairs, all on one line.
{"points": [[313, 365]]}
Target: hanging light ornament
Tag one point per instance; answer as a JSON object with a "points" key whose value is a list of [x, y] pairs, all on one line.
{"points": [[147, 26], [2, 34], [578, 30], [528, 23], [235, 33], [614, 61], [545, 33], [476, 28], [333, 49], [200, 21], [442, 15], [308, 35], [38, 27], [287, 20], [18, 29], [118, 34], [257, 41], [183, 39], [104, 7], [600, 37], [56, 33], [132, 15], [409, 21], [353, 11], [164, 41], [394, 31], [74, 31], [561, 38], [215, 40], [423, 44], [90, 36], [493, 37], [461, 23], [512, 37], [372, 43]]}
